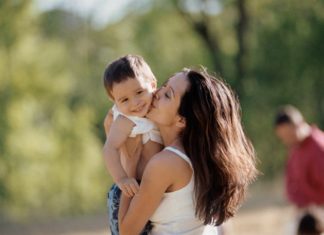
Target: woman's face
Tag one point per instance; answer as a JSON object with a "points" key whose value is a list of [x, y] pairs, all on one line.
{"points": [[165, 105]]}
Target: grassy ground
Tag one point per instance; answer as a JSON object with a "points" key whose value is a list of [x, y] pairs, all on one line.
{"points": [[265, 212]]}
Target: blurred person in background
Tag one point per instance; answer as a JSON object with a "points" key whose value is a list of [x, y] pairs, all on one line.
{"points": [[304, 175], [309, 225]]}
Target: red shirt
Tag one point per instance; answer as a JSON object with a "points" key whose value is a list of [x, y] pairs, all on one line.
{"points": [[305, 171]]}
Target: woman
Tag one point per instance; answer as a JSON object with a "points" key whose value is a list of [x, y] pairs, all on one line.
{"points": [[201, 177]]}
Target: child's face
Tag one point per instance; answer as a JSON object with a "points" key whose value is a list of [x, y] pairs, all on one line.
{"points": [[133, 96]]}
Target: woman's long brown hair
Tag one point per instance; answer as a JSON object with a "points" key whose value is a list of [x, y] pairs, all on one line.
{"points": [[223, 158]]}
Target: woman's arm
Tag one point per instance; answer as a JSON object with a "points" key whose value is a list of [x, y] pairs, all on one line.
{"points": [[135, 212]]}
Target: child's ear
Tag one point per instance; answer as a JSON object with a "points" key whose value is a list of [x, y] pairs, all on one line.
{"points": [[110, 97], [181, 122]]}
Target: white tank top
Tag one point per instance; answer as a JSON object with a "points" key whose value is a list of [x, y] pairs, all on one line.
{"points": [[176, 213], [143, 126]]}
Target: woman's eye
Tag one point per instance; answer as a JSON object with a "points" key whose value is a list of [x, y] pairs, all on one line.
{"points": [[139, 92], [167, 95]]}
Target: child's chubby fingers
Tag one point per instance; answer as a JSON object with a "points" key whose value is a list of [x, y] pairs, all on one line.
{"points": [[134, 187], [126, 191], [129, 186]]}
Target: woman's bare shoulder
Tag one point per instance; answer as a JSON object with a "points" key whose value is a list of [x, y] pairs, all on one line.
{"points": [[168, 170], [165, 161]]}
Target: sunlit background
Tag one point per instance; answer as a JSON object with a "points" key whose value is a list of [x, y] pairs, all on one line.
{"points": [[52, 100]]}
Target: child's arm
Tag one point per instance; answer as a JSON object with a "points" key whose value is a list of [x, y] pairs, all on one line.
{"points": [[108, 121], [118, 133]]}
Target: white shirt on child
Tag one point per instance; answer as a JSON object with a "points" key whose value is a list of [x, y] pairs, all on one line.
{"points": [[143, 126]]}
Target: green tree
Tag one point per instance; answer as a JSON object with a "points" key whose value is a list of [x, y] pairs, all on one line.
{"points": [[51, 156]]}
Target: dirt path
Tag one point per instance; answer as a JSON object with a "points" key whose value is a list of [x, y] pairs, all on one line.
{"points": [[266, 221], [86, 225], [265, 213]]}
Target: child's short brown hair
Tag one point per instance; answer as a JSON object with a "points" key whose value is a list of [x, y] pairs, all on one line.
{"points": [[129, 66]]}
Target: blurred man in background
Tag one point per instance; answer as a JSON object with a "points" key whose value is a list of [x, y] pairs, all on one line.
{"points": [[304, 174]]}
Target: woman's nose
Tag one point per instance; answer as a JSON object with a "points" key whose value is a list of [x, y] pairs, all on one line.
{"points": [[156, 94]]}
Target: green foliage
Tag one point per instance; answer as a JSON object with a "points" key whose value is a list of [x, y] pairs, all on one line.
{"points": [[53, 102], [51, 156], [285, 58]]}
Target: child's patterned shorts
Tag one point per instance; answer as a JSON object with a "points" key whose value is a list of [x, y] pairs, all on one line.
{"points": [[113, 207]]}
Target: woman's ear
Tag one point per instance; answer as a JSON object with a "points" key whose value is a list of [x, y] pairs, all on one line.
{"points": [[181, 122]]}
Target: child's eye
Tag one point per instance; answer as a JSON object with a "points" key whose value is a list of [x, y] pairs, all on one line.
{"points": [[139, 92], [124, 100]]}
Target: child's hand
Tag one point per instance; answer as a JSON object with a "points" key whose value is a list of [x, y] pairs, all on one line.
{"points": [[128, 186]]}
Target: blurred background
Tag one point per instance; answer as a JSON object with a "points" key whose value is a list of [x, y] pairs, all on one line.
{"points": [[52, 100]]}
